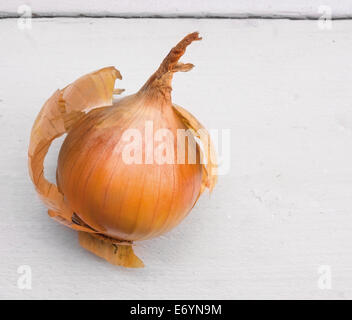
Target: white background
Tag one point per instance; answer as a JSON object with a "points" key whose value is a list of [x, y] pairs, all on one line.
{"points": [[282, 87]]}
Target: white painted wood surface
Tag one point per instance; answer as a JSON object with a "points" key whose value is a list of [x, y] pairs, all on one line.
{"points": [[282, 87], [200, 8]]}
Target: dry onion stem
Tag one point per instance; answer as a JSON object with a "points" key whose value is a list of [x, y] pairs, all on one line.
{"points": [[110, 202]]}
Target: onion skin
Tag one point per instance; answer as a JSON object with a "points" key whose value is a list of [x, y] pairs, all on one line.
{"points": [[110, 202]]}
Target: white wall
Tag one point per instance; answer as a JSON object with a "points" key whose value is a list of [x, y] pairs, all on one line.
{"points": [[269, 8]]}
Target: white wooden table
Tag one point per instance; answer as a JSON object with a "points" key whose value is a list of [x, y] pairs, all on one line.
{"points": [[281, 215]]}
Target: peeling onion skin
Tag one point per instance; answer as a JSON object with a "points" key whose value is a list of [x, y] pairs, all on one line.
{"points": [[109, 202]]}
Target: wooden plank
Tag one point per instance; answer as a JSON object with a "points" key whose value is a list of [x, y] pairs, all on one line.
{"points": [[298, 9], [281, 212]]}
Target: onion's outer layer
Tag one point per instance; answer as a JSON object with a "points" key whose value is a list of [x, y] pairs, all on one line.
{"points": [[112, 203], [125, 201]]}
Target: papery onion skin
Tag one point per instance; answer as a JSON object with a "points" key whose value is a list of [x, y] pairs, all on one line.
{"points": [[125, 201]]}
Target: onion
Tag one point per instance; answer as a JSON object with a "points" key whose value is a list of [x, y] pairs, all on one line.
{"points": [[119, 177]]}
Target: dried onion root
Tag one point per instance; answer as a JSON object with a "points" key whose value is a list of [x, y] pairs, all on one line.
{"points": [[110, 202]]}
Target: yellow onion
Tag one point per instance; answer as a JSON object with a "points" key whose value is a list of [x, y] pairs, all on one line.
{"points": [[110, 201]]}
